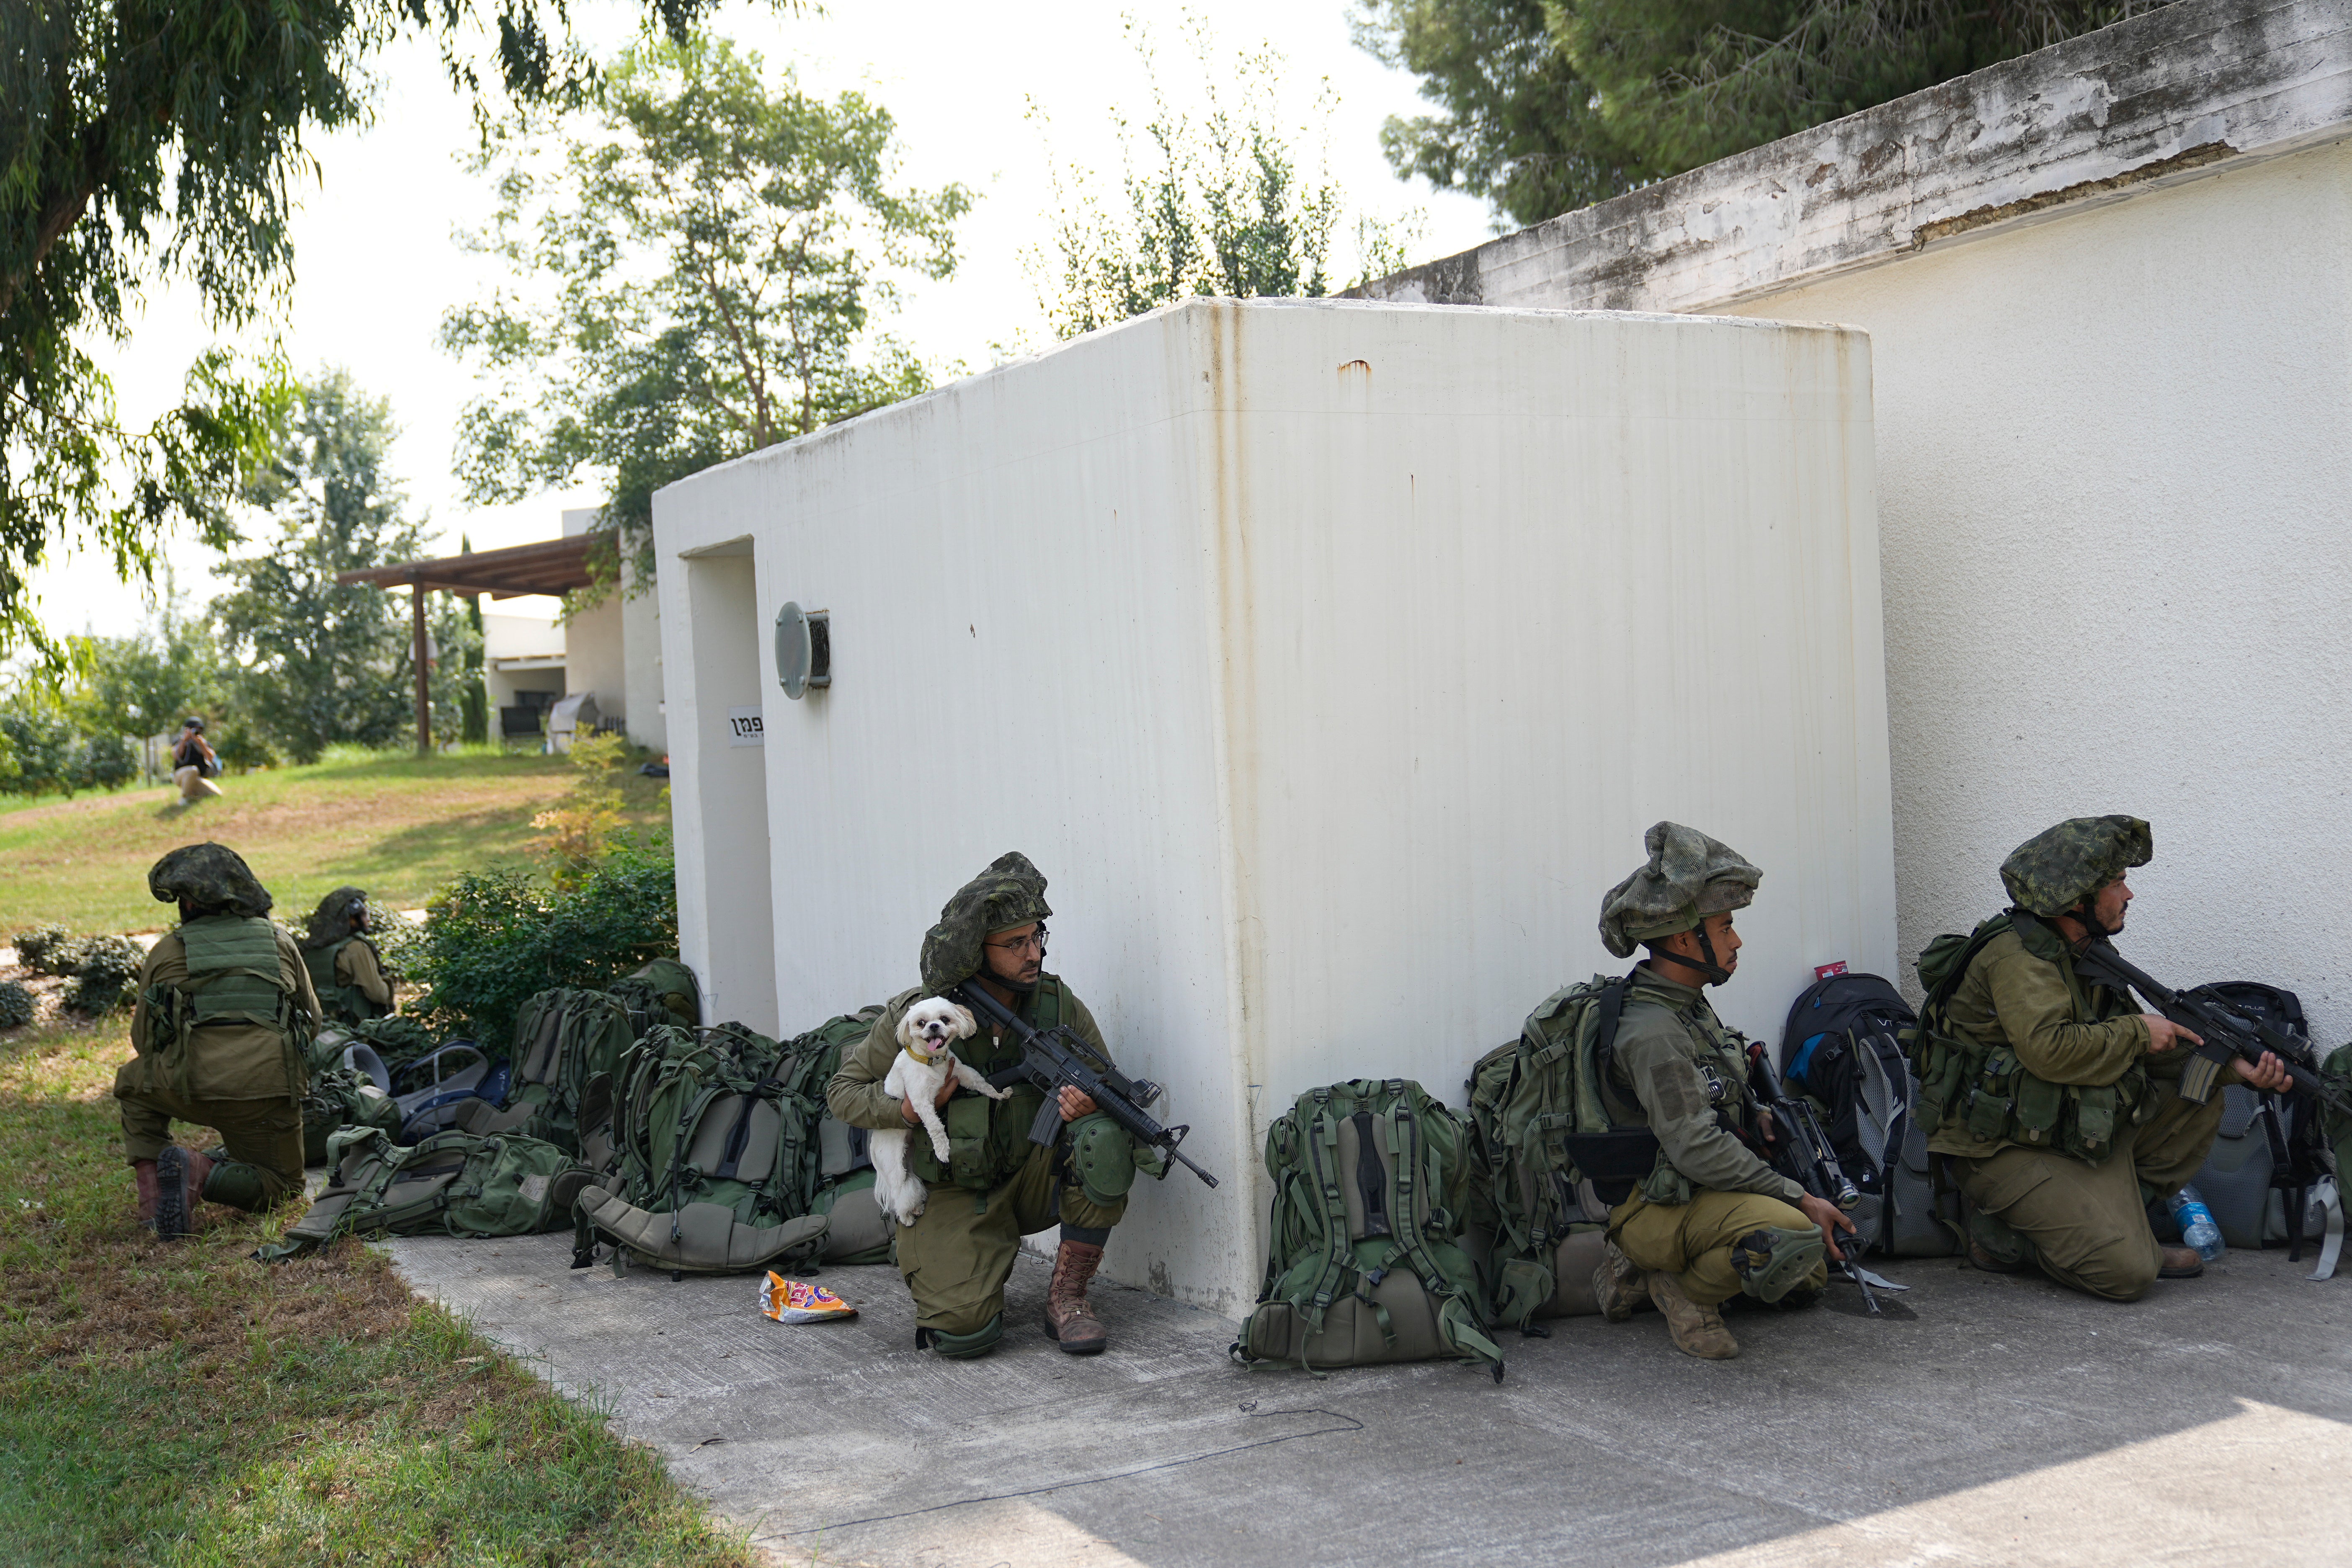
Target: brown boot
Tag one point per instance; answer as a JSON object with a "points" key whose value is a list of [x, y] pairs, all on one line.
{"points": [[1617, 1286], [1698, 1330], [142, 1172], [2178, 1262], [180, 1176], [1980, 1258], [1069, 1321]]}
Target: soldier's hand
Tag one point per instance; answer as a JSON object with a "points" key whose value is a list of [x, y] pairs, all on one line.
{"points": [[2163, 1034], [1075, 1102], [1829, 1218], [947, 1092], [2268, 1074]]}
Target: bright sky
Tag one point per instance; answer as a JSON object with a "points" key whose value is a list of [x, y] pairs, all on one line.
{"points": [[377, 263]]}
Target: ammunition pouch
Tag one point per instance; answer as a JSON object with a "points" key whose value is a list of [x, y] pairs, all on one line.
{"points": [[1992, 1095]]}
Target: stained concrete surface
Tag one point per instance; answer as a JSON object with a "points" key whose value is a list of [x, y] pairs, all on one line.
{"points": [[2004, 1422]]}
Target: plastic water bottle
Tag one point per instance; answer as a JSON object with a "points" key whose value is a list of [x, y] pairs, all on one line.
{"points": [[2197, 1228]]}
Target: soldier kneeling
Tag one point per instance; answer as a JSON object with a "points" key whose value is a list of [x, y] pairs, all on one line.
{"points": [[997, 1186], [225, 1010], [1712, 1220]]}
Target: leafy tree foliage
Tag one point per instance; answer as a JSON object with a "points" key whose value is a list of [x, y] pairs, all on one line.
{"points": [[718, 248], [145, 684], [1213, 205], [1553, 104], [145, 138], [319, 661]]}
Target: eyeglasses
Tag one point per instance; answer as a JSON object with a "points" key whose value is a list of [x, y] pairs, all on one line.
{"points": [[1035, 939]]}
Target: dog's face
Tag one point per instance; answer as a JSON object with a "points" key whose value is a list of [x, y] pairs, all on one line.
{"points": [[934, 1025]]}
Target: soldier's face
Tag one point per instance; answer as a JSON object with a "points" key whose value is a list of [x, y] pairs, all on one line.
{"points": [[1016, 955], [2110, 902], [1727, 941]]}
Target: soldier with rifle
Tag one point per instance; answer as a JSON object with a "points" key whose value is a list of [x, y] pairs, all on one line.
{"points": [[2059, 1108], [997, 1184]]}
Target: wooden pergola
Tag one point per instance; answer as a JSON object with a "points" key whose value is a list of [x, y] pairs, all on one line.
{"points": [[551, 566]]}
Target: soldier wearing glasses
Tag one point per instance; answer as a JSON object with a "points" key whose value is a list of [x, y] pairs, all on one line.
{"points": [[996, 1187]]}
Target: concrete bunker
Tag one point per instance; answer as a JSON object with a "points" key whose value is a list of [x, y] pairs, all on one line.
{"points": [[1329, 659]]}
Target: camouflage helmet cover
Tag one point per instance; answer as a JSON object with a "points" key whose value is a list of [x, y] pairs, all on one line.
{"points": [[1011, 892], [331, 920], [212, 877], [1689, 876], [2056, 869]]}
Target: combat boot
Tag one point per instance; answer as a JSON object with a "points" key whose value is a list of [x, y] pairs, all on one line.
{"points": [[1069, 1321], [2178, 1262], [1617, 1286], [180, 1177], [142, 1172], [1698, 1330]]}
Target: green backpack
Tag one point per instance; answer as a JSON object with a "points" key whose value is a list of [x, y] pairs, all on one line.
{"points": [[562, 1039], [1362, 1262], [663, 992], [1524, 1105], [452, 1184], [714, 1161], [859, 1232], [341, 1096]]}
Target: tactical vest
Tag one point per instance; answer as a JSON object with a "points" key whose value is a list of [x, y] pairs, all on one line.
{"points": [[340, 1002], [1720, 1055], [1982, 1086], [233, 977], [988, 1139]]}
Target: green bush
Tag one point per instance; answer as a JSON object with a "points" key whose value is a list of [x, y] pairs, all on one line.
{"points": [[15, 1006], [33, 947], [494, 939], [399, 943], [50, 755], [101, 971], [108, 761]]}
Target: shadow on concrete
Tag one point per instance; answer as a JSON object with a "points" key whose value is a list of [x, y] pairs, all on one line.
{"points": [[2007, 1422]]}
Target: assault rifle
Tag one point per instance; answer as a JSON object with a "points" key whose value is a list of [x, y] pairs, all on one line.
{"points": [[1055, 1058], [1801, 1152], [2226, 1031]]}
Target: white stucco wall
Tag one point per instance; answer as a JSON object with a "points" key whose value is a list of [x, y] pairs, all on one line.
{"points": [[2115, 502], [1329, 659]]}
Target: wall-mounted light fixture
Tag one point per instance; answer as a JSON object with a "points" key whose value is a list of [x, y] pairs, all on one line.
{"points": [[803, 649]]}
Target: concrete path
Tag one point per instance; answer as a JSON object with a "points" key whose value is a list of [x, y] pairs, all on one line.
{"points": [[2005, 1422]]}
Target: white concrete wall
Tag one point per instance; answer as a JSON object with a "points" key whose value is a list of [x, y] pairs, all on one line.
{"points": [[2114, 457], [1330, 659]]}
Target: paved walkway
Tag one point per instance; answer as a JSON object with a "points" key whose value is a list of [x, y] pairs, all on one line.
{"points": [[2006, 1422]]}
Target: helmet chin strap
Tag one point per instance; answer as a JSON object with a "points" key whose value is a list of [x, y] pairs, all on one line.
{"points": [[1715, 972]]}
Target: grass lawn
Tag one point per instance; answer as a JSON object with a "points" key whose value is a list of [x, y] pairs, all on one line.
{"points": [[173, 1402], [391, 822]]}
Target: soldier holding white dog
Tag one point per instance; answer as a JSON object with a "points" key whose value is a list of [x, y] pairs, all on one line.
{"points": [[996, 1187]]}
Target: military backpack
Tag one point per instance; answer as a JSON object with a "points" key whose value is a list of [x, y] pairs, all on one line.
{"points": [[858, 1231], [1842, 1049], [341, 1097], [453, 1184], [562, 1039], [713, 1162], [663, 992], [1363, 1258]]}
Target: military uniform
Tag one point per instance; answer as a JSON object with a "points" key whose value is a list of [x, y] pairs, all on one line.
{"points": [[995, 1186], [225, 1006], [346, 971], [1712, 1220], [2063, 1127]]}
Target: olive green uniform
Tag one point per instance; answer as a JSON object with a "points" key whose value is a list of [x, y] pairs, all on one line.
{"points": [[2068, 1126], [1678, 1071], [996, 1187], [348, 978], [242, 1078]]}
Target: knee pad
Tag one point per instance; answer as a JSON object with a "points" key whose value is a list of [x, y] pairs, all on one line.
{"points": [[1102, 1158], [1771, 1262], [2005, 1245], [964, 1347], [237, 1186]]}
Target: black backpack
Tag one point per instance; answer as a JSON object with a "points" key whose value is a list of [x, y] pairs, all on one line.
{"points": [[2267, 1143], [1841, 1049]]}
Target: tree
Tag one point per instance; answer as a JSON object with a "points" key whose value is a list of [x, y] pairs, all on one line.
{"points": [[1213, 207], [320, 662], [145, 684], [148, 137], [1554, 105], [718, 249]]}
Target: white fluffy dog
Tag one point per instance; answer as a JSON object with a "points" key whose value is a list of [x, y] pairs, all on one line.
{"points": [[928, 1035]]}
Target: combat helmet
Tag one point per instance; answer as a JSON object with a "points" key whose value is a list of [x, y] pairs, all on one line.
{"points": [[1011, 892], [2057, 871], [210, 879], [1688, 877], [331, 920]]}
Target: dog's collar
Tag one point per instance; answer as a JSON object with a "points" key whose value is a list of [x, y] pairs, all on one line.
{"points": [[926, 1060]]}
